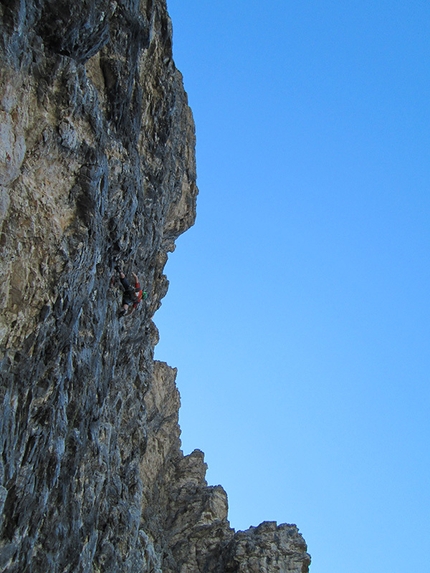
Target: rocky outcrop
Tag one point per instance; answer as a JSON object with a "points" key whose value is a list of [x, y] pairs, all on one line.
{"points": [[97, 169]]}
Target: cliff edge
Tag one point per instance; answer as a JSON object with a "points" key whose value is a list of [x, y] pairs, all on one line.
{"points": [[97, 169]]}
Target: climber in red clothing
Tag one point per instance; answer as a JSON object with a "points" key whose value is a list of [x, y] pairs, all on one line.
{"points": [[132, 294]]}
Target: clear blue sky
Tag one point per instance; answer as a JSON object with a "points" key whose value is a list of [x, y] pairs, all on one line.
{"points": [[298, 313]]}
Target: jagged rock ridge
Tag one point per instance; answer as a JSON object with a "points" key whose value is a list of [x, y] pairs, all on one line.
{"points": [[96, 167]]}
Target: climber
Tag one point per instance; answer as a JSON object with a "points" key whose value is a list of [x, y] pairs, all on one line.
{"points": [[132, 295]]}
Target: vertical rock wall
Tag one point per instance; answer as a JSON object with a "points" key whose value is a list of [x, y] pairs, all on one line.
{"points": [[97, 169]]}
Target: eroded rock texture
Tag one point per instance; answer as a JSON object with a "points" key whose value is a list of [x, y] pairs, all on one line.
{"points": [[97, 167]]}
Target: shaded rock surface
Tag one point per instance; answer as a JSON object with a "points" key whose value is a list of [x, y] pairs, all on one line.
{"points": [[97, 168]]}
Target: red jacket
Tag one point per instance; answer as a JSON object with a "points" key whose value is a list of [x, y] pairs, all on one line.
{"points": [[138, 292]]}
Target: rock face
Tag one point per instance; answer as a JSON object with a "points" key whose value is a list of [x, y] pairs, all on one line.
{"points": [[97, 169]]}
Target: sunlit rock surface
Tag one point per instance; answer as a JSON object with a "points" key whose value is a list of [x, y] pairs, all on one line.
{"points": [[97, 168]]}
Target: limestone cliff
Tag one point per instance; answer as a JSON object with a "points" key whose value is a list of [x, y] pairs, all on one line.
{"points": [[97, 169]]}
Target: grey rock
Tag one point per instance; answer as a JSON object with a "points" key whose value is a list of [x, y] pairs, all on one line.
{"points": [[97, 168]]}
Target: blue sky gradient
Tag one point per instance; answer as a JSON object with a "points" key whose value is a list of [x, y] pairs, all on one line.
{"points": [[298, 313]]}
